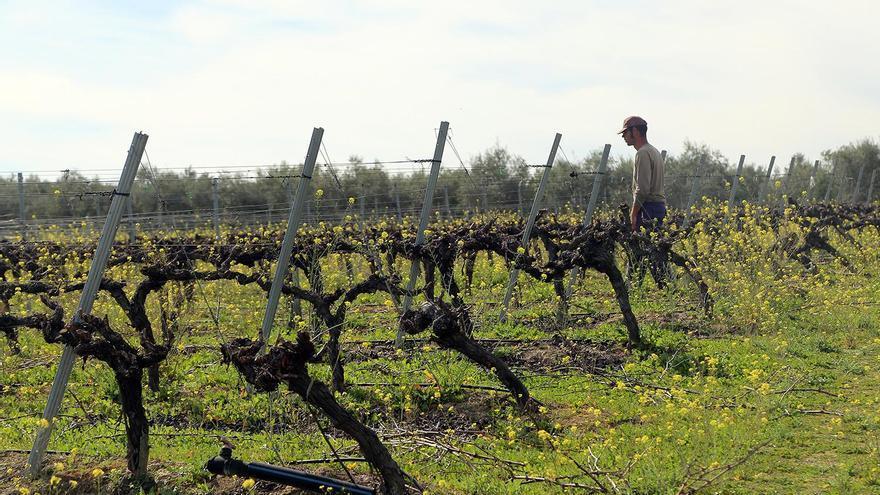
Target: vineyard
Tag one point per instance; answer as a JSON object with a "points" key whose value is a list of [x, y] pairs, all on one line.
{"points": [[735, 350]]}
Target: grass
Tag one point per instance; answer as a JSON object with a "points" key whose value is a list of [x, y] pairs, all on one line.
{"points": [[719, 404]]}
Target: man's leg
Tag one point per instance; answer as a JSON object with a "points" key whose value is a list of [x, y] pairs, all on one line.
{"points": [[655, 212]]}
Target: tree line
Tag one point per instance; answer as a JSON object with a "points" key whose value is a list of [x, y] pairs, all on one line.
{"points": [[493, 179]]}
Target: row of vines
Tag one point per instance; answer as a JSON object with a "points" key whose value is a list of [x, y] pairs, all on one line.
{"points": [[166, 274]]}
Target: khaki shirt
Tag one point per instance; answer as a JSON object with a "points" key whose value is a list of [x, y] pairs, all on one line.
{"points": [[647, 184]]}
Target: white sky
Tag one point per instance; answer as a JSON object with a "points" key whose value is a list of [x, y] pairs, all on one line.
{"points": [[242, 82]]}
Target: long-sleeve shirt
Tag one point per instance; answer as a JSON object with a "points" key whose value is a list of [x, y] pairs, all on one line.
{"points": [[647, 184]]}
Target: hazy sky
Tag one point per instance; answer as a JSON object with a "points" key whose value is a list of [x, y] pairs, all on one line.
{"points": [[229, 82]]}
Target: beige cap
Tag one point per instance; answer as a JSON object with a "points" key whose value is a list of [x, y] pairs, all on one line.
{"points": [[632, 121]]}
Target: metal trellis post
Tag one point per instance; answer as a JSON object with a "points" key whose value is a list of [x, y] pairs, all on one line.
{"points": [[870, 196], [21, 209], [786, 183], [215, 195], [423, 219], [762, 188], [87, 298], [296, 304], [812, 183], [397, 202], [519, 208], [530, 224], [695, 191], [855, 194], [293, 221], [591, 207], [831, 180], [735, 185], [597, 185]]}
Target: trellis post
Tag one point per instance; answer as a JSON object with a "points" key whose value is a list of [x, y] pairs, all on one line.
{"points": [[296, 304], [293, 221], [786, 182], [733, 187], [215, 196], [87, 298], [812, 183], [762, 187], [591, 207], [870, 196], [519, 207], [831, 180], [855, 194], [21, 208], [397, 202], [695, 190], [423, 219], [530, 224]]}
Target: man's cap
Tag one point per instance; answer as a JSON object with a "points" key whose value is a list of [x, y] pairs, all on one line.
{"points": [[632, 121]]}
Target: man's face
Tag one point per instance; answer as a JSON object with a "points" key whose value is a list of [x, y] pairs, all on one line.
{"points": [[628, 136]]}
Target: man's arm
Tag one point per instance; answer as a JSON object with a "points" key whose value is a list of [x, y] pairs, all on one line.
{"points": [[634, 216]]}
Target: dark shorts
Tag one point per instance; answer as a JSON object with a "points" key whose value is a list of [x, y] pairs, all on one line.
{"points": [[651, 215]]}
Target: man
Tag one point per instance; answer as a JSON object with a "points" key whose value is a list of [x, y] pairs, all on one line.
{"points": [[649, 202]]}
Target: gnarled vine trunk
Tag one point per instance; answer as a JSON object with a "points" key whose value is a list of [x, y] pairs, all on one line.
{"points": [[287, 363]]}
